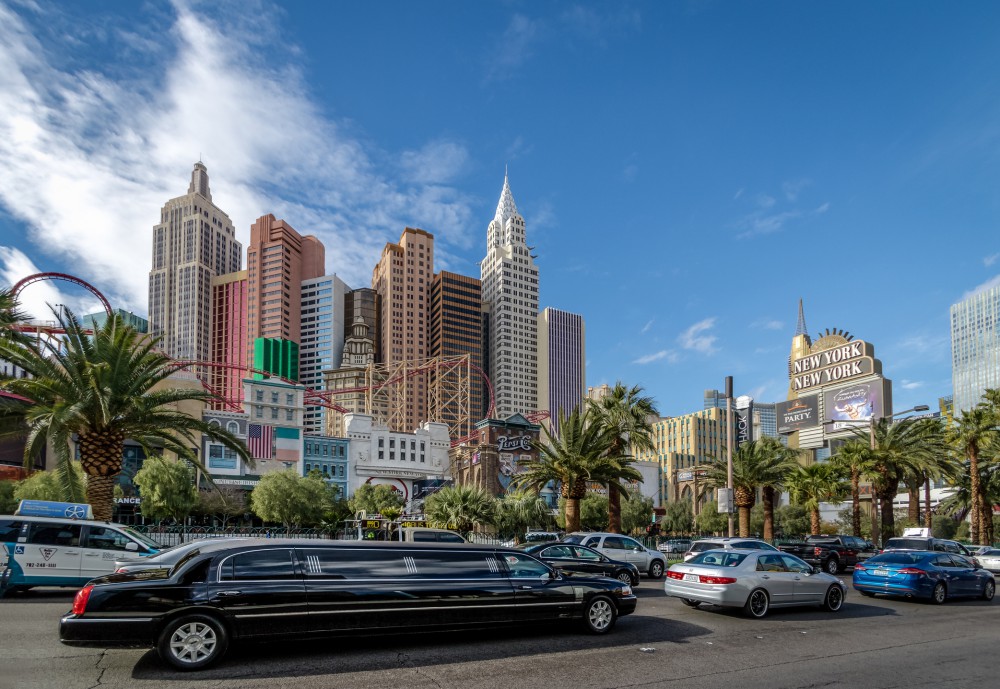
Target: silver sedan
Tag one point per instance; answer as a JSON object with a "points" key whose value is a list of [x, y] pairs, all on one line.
{"points": [[754, 580], [990, 559]]}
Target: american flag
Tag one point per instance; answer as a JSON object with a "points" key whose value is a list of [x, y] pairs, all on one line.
{"points": [[260, 441]]}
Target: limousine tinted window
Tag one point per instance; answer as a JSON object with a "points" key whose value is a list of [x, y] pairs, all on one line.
{"points": [[273, 563], [353, 564], [524, 566]]}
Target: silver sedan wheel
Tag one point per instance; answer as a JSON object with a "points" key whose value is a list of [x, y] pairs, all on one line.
{"points": [[193, 642], [834, 598]]}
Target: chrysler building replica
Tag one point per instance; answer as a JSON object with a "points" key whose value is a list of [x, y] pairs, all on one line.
{"points": [[510, 301]]}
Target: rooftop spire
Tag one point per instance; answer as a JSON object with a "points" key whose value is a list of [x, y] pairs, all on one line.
{"points": [[199, 181], [506, 208], [800, 327]]}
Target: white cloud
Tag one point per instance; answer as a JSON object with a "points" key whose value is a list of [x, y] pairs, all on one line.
{"points": [[791, 189], [990, 260], [911, 384], [662, 354], [768, 324], [697, 339], [823, 208], [514, 47], [90, 156], [645, 328], [979, 289]]}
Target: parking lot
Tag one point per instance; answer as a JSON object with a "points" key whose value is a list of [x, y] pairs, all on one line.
{"points": [[870, 643]]}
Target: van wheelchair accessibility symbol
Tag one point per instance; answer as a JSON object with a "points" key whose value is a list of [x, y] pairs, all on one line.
{"points": [[19, 550]]}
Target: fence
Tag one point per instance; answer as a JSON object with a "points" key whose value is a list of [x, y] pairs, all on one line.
{"points": [[169, 536]]}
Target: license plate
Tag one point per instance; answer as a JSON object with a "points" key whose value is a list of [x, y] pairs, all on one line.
{"points": [[691, 577], [881, 572]]}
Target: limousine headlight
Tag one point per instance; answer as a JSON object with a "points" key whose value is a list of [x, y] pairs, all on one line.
{"points": [[624, 591]]}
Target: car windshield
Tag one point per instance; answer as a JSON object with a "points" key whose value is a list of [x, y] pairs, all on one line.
{"points": [[574, 538], [194, 552], [908, 543], [991, 552], [718, 558], [145, 540], [897, 558], [704, 545]]}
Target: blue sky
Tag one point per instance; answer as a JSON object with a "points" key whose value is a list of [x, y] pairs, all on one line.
{"points": [[686, 170]]}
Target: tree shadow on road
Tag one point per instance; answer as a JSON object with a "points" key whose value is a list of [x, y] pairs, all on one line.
{"points": [[377, 653]]}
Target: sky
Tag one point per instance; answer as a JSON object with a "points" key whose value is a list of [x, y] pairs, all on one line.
{"points": [[687, 171]]}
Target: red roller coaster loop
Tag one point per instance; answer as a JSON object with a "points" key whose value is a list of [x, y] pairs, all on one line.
{"points": [[38, 277]]}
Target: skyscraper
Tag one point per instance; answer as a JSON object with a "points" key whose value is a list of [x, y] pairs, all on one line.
{"points": [[229, 337], [561, 363], [279, 259], [322, 344], [194, 242], [510, 287], [402, 279], [975, 348], [455, 331]]}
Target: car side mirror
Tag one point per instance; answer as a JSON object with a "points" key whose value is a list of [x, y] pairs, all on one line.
{"points": [[814, 570], [131, 546], [550, 576]]}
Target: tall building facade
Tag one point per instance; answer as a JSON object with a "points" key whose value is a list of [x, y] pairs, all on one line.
{"points": [[562, 363], [229, 337], [279, 259], [402, 280], [975, 348], [510, 288], [765, 420], [352, 376], [364, 302], [322, 333], [193, 242], [456, 330], [96, 320]]}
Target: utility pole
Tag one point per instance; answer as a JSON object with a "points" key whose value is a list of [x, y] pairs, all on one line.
{"points": [[729, 451]]}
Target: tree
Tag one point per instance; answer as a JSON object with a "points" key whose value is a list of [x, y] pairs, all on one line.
{"points": [[678, 519], [900, 446], [167, 489], [7, 502], [45, 485], [10, 316], [854, 459], [571, 460], [625, 415], [815, 483], [103, 388], [376, 499], [710, 520], [637, 513], [791, 521], [289, 499], [755, 463], [520, 511], [973, 429], [777, 461], [460, 507], [594, 512], [223, 501]]}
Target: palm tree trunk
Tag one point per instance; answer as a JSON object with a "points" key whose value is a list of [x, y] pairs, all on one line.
{"points": [[928, 518], [974, 494], [100, 495], [767, 497], [985, 521], [856, 502], [888, 518], [572, 514], [814, 521], [913, 509], [874, 514], [614, 509], [744, 522]]}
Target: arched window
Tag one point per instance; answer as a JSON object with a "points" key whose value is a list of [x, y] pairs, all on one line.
{"points": [[233, 427], [215, 422]]}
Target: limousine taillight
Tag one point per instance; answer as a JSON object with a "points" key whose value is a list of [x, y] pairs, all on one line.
{"points": [[80, 602]]}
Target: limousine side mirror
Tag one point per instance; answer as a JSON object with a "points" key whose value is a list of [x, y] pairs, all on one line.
{"points": [[131, 546]]}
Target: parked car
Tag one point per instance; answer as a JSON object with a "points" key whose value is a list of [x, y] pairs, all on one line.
{"points": [[426, 534], [923, 574], [674, 546], [705, 544], [832, 553], [572, 557], [926, 543], [624, 548], [534, 537], [165, 559], [287, 588], [755, 580], [989, 559], [976, 550]]}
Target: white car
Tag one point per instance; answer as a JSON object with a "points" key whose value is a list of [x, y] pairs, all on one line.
{"points": [[624, 549], [989, 560]]}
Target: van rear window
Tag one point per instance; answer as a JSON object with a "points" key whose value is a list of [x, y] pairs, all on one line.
{"points": [[909, 543]]}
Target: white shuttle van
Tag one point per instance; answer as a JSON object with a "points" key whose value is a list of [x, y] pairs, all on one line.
{"points": [[59, 551]]}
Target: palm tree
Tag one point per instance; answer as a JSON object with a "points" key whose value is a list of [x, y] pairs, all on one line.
{"points": [[901, 447], [625, 413], [815, 483], [570, 459], [103, 389], [460, 507], [755, 463], [520, 511], [10, 316], [854, 460], [773, 475], [972, 430]]}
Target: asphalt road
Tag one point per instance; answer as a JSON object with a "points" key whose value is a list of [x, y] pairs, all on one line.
{"points": [[869, 643]]}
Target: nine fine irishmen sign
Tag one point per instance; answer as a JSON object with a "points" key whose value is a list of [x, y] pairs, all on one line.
{"points": [[839, 363]]}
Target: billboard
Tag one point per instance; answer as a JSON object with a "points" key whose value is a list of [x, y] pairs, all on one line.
{"points": [[849, 360], [744, 420], [796, 414], [854, 405]]}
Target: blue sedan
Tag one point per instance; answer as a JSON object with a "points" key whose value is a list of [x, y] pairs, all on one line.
{"points": [[923, 574]]}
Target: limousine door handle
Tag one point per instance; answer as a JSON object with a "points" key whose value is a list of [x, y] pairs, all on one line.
{"points": [[525, 587], [227, 594]]}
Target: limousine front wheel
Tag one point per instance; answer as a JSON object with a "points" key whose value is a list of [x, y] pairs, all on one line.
{"points": [[600, 615], [193, 642]]}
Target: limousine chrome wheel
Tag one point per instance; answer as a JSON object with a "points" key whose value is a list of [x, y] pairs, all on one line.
{"points": [[600, 615], [192, 642]]}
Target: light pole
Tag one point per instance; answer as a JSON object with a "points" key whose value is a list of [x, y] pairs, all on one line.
{"points": [[871, 420], [729, 454]]}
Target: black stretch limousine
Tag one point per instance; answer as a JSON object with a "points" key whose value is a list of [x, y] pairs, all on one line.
{"points": [[253, 589]]}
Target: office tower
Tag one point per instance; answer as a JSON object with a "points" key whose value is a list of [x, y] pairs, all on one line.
{"points": [[765, 420], [456, 331], [364, 302], [402, 278], [322, 344], [562, 363], [229, 338], [279, 259], [975, 348], [510, 287], [194, 242]]}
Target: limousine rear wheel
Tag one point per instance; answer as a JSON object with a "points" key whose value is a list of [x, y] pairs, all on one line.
{"points": [[600, 615], [192, 642]]}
